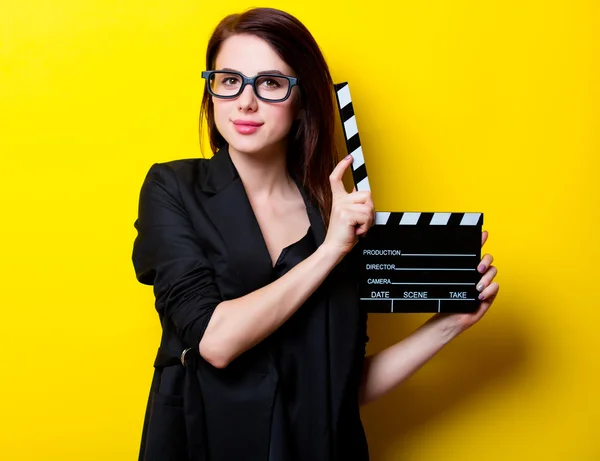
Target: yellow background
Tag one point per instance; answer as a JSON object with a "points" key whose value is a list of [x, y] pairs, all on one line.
{"points": [[462, 106]]}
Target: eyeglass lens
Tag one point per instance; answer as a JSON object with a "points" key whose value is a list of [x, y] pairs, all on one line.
{"points": [[267, 86]]}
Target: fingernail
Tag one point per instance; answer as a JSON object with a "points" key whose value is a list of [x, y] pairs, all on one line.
{"points": [[481, 297], [480, 287], [348, 157], [481, 268]]}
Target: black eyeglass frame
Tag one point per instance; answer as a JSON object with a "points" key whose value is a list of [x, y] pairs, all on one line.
{"points": [[207, 74]]}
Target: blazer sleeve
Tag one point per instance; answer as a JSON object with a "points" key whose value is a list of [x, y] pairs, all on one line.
{"points": [[167, 254]]}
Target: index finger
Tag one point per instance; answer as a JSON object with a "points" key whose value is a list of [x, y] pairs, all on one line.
{"points": [[335, 178]]}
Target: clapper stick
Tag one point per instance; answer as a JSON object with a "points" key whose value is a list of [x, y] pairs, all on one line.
{"points": [[350, 127], [412, 261]]}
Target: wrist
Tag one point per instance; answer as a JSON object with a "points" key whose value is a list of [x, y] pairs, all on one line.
{"points": [[328, 255], [444, 327]]}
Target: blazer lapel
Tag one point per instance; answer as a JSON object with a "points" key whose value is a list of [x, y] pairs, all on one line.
{"points": [[314, 216], [231, 212]]}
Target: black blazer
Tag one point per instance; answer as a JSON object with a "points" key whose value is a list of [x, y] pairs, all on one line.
{"points": [[199, 243]]}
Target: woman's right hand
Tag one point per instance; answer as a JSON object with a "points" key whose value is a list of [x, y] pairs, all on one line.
{"points": [[352, 214]]}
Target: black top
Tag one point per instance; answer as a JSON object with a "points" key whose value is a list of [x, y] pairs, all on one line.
{"points": [[301, 429]]}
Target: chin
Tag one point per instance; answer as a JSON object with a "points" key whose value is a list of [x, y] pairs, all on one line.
{"points": [[249, 145], [246, 146]]}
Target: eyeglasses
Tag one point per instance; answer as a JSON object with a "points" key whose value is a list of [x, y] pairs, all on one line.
{"points": [[268, 87]]}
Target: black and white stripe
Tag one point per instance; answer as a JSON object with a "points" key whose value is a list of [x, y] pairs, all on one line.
{"points": [[387, 218], [359, 169]]}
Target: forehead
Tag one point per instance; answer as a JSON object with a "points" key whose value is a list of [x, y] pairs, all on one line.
{"points": [[250, 55]]}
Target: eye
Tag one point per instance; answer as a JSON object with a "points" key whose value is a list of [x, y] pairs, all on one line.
{"points": [[271, 83], [230, 80]]}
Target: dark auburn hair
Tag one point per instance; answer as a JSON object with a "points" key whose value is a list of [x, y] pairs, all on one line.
{"points": [[311, 152]]}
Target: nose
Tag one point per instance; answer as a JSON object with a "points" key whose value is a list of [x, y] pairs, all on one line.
{"points": [[247, 99]]}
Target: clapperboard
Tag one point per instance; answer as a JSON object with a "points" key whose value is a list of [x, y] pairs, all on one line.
{"points": [[412, 261]]}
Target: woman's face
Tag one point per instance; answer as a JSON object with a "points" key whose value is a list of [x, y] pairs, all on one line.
{"points": [[250, 55]]}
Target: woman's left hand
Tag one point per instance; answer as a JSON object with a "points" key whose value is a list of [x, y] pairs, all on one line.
{"points": [[454, 324]]}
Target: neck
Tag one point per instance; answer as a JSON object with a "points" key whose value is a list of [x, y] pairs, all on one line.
{"points": [[263, 173]]}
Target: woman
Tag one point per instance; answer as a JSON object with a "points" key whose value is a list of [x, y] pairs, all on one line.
{"points": [[262, 354]]}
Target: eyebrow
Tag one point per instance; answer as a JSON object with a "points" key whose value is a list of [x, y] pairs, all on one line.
{"points": [[262, 72]]}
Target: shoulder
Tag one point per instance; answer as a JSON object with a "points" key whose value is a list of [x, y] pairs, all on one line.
{"points": [[178, 173], [181, 168], [200, 175]]}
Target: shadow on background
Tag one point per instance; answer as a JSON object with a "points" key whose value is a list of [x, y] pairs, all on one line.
{"points": [[493, 351]]}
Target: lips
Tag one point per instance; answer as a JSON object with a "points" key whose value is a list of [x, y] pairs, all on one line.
{"points": [[246, 123], [246, 127]]}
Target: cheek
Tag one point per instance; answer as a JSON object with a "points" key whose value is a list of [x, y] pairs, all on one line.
{"points": [[221, 112], [283, 115]]}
